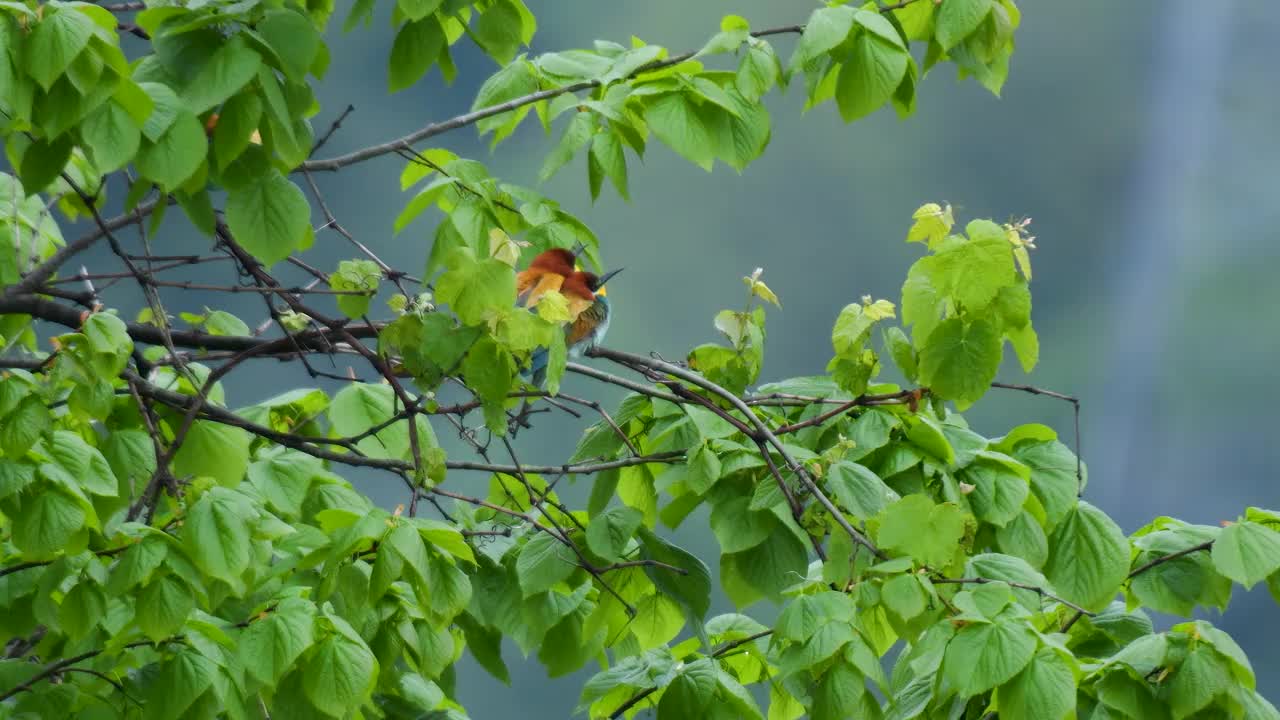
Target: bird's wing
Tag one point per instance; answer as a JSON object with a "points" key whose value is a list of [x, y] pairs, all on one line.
{"points": [[583, 325], [532, 284]]}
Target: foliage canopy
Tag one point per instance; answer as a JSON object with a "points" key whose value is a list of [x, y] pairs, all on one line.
{"points": [[163, 555]]}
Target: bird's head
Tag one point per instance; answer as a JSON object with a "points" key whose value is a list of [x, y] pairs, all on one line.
{"points": [[594, 283]]}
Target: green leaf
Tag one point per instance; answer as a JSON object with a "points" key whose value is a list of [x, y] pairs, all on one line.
{"points": [[359, 407], [1088, 557], [230, 68], [684, 126], [703, 469], [927, 434], [827, 28], [418, 9], [1024, 538], [417, 45], [1179, 585], [47, 523], [356, 276], [513, 81], [43, 161], [163, 607], [974, 271], [611, 531], [15, 477], [237, 122], [1044, 689], [758, 72], [608, 159], [25, 424], [111, 136], [477, 289], [82, 609], [489, 371], [738, 527], [869, 75], [81, 464], [543, 562], [175, 155], [932, 223], [904, 596], [859, 490], [998, 492], [293, 38], [55, 42], [1026, 344], [213, 450], [576, 136], [852, 328], [770, 567], [1200, 678], [1012, 570], [1053, 477], [182, 679], [1241, 669], [899, 347], [691, 692], [270, 646], [957, 19], [693, 589], [917, 527], [216, 534], [221, 322], [425, 198], [959, 360], [269, 217], [341, 673], [500, 30], [1247, 552], [984, 655]]}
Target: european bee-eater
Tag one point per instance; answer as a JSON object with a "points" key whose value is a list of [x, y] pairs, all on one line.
{"points": [[585, 291]]}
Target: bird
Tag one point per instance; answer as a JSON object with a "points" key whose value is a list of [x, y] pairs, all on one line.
{"points": [[556, 270], [548, 271]]}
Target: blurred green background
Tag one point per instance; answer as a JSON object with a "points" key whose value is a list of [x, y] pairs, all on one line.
{"points": [[1139, 136]]}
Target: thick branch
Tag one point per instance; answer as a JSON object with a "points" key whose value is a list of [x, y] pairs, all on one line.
{"points": [[67, 316], [307, 444]]}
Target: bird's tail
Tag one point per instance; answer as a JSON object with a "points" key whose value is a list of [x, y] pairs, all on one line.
{"points": [[537, 374], [537, 369]]}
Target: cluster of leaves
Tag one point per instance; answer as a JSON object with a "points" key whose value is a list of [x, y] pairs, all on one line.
{"points": [[163, 555]]}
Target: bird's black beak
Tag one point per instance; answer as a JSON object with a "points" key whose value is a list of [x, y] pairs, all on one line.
{"points": [[605, 277]]}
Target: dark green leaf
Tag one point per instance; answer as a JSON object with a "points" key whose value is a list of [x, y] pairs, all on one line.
{"points": [[173, 157], [55, 42], [1046, 688], [959, 360], [1247, 552], [293, 38], [269, 217], [543, 562], [957, 19], [984, 655], [111, 136], [229, 69], [871, 73], [216, 534], [1088, 557], [417, 46]]}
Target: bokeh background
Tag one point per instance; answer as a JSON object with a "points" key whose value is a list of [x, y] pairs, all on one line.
{"points": [[1141, 137]]}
